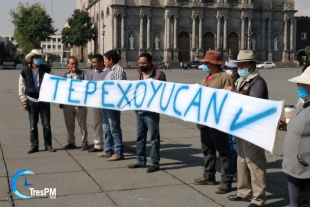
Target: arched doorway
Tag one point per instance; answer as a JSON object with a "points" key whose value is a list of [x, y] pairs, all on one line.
{"points": [[233, 44], [302, 57], [183, 45], [207, 42]]}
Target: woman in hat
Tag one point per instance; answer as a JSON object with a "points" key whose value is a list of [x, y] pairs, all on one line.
{"points": [[213, 140], [296, 157]]}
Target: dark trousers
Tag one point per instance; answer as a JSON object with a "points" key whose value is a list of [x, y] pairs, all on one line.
{"points": [[299, 191], [213, 140], [42, 109]]}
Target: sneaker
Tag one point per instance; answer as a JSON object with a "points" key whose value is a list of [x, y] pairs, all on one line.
{"points": [[223, 188], [84, 147], [203, 181], [69, 146], [115, 158], [95, 150]]}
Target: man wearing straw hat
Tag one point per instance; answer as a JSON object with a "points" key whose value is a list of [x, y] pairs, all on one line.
{"points": [[29, 87], [251, 162]]}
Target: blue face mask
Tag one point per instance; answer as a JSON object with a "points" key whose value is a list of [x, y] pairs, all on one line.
{"points": [[205, 68], [244, 73], [303, 92], [37, 61]]}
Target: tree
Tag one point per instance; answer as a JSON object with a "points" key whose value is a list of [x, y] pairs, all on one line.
{"points": [[79, 31], [32, 25]]}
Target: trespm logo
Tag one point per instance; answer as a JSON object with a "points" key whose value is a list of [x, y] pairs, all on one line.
{"points": [[45, 192]]}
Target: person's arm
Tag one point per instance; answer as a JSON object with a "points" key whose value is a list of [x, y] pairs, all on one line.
{"points": [[118, 75], [227, 82], [21, 92]]}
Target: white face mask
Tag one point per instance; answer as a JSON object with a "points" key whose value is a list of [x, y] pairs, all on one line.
{"points": [[229, 72]]}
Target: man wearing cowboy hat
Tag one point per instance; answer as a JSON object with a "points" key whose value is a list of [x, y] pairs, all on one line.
{"points": [[251, 162], [213, 140], [29, 87]]}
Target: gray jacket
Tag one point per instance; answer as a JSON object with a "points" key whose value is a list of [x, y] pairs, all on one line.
{"points": [[297, 142]]}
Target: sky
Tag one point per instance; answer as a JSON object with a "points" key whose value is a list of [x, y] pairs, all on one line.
{"points": [[61, 10]]}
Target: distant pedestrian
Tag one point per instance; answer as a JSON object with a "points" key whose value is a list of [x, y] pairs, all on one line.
{"points": [[168, 66], [128, 64], [75, 112], [30, 80]]}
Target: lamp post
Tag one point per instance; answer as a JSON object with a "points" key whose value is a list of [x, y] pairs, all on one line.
{"points": [[103, 34]]}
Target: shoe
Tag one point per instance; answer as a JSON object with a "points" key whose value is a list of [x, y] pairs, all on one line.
{"points": [[115, 158], [152, 168], [33, 150], [101, 154], [203, 181], [236, 198], [135, 166], [253, 205], [95, 150], [223, 188], [69, 146], [50, 149], [84, 147]]}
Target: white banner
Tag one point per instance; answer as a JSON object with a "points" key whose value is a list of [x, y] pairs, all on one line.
{"points": [[252, 119]]}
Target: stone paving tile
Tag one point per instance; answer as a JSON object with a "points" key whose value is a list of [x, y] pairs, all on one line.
{"points": [[89, 199], [12, 154], [4, 189], [41, 165], [73, 183], [2, 169], [126, 179], [175, 196]]}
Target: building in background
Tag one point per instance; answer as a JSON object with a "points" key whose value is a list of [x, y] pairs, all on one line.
{"points": [[183, 30], [302, 38]]}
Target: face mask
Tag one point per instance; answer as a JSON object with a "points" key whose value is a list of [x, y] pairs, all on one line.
{"points": [[302, 92], [37, 61], [144, 68], [205, 68], [229, 72], [244, 73]]}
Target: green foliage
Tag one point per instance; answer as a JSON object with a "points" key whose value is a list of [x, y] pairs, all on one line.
{"points": [[307, 50], [79, 31], [32, 25], [90, 55]]}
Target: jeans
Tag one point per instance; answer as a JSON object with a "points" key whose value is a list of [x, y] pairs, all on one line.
{"points": [[213, 140], [148, 121], [42, 109], [113, 132], [299, 191], [233, 147]]}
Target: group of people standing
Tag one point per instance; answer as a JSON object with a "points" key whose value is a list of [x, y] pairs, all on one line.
{"points": [[237, 76]]}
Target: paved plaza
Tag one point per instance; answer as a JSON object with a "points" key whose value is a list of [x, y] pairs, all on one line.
{"points": [[82, 179]]}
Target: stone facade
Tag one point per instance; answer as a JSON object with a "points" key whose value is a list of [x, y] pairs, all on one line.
{"points": [[183, 30]]}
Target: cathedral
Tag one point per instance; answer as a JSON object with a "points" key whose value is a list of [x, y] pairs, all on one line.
{"points": [[183, 30]]}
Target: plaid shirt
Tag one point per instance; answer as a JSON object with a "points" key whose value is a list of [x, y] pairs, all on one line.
{"points": [[115, 73]]}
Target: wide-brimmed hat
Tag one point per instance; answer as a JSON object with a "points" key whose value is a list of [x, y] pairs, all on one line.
{"points": [[245, 56], [303, 78], [213, 57], [231, 64], [33, 53]]}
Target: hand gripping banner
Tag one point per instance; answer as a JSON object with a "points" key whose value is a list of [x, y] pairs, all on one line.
{"points": [[252, 119]]}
